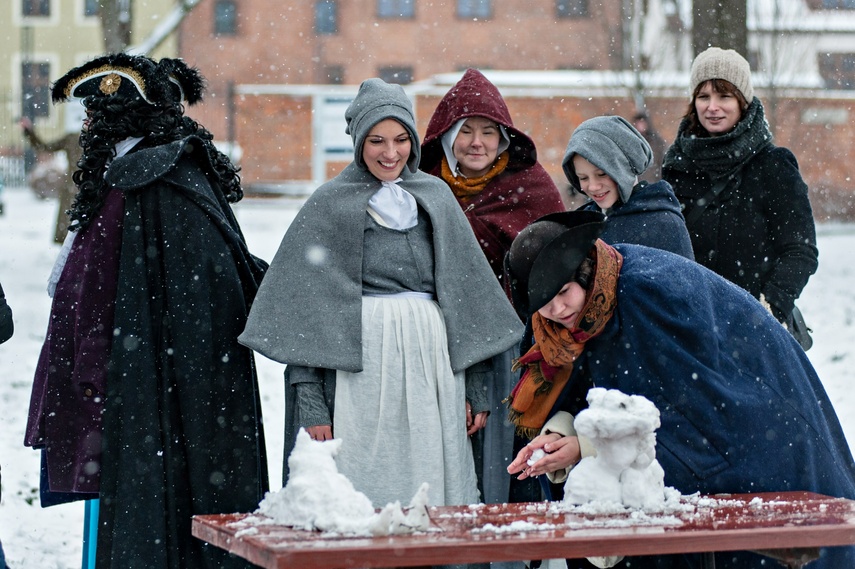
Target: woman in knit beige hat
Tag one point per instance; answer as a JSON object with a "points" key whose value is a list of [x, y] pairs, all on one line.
{"points": [[744, 199]]}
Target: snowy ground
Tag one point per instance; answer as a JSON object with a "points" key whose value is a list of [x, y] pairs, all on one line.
{"points": [[51, 538]]}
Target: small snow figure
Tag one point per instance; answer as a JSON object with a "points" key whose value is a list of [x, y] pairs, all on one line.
{"points": [[625, 470], [318, 497]]}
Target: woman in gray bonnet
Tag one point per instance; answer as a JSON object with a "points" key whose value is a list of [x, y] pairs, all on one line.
{"points": [[604, 159], [378, 300]]}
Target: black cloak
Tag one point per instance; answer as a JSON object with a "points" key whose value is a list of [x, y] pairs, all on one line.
{"points": [[182, 421]]}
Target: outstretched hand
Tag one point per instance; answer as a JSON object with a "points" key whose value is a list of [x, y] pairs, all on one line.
{"points": [[561, 452]]}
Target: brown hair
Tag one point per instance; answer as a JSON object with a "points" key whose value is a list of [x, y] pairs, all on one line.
{"points": [[720, 86]]}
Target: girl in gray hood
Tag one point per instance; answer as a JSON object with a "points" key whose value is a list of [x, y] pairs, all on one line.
{"points": [[378, 300], [604, 159]]}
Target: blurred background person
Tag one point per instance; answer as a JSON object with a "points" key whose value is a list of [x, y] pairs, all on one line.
{"points": [[69, 144], [644, 124]]}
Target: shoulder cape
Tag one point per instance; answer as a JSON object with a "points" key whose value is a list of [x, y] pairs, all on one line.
{"points": [[308, 309]]}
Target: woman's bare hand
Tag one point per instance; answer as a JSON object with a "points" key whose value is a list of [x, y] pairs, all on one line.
{"points": [[561, 452], [320, 432]]}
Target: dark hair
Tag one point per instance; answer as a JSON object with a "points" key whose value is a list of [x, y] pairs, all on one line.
{"points": [[720, 86], [584, 275], [115, 118]]}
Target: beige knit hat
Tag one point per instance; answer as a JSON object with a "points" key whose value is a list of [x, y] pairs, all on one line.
{"points": [[727, 64]]}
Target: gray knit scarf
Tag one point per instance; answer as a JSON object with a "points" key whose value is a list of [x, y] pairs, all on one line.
{"points": [[720, 156]]}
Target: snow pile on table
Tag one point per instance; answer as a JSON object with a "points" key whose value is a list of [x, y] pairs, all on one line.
{"points": [[318, 497], [625, 471]]}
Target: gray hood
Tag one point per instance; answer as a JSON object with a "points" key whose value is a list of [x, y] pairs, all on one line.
{"points": [[614, 146], [375, 102]]}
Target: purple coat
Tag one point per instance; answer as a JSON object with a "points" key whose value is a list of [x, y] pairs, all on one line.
{"points": [[70, 381]]}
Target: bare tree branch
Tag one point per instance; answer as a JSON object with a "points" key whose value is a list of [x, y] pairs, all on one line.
{"points": [[169, 24]]}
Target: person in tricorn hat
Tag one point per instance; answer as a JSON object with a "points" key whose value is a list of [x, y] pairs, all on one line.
{"points": [[741, 407], [142, 398]]}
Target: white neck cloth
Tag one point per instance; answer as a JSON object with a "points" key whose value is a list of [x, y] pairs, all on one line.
{"points": [[126, 145], [395, 206]]}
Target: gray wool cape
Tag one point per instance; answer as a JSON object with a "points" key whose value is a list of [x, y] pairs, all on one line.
{"points": [[308, 310]]}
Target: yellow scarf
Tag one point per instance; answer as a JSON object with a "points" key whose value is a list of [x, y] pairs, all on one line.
{"points": [[464, 187], [549, 362]]}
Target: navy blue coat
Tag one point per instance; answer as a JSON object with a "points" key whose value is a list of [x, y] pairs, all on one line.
{"points": [[651, 217], [742, 408]]}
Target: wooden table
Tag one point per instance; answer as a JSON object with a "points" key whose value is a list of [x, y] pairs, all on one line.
{"points": [[791, 523]]}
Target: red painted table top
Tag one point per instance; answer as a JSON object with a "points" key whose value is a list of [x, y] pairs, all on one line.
{"points": [[506, 532]]}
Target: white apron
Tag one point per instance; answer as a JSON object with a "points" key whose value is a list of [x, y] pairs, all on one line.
{"points": [[402, 419]]}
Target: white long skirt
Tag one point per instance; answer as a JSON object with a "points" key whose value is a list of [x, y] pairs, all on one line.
{"points": [[402, 420]]}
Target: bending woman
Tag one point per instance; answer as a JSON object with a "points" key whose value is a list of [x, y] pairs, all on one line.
{"points": [[741, 407], [379, 301]]}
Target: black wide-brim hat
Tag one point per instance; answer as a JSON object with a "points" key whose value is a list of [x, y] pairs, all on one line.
{"points": [[546, 255], [134, 76]]}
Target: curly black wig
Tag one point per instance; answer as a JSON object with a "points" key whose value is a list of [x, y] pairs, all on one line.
{"points": [[156, 115]]}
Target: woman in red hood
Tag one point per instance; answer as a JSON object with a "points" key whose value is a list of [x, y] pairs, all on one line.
{"points": [[492, 168]]}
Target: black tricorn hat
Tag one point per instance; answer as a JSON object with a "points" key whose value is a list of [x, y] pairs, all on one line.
{"points": [[546, 254], [158, 83]]}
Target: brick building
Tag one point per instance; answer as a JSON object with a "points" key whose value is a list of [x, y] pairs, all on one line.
{"points": [[272, 42], [280, 74]]}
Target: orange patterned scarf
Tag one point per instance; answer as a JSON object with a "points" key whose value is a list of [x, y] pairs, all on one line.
{"points": [[464, 187], [549, 362]]}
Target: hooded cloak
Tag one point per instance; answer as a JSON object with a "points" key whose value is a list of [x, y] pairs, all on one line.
{"points": [[514, 198]]}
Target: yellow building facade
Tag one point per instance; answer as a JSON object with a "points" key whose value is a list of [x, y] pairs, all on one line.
{"points": [[40, 41]]}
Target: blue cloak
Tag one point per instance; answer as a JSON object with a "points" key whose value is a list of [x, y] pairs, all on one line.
{"points": [[742, 408]]}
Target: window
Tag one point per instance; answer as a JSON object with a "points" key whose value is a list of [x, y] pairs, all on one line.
{"points": [[35, 8], [326, 17], [225, 18], [90, 8], [838, 70], [396, 9], [334, 74], [396, 74], [35, 91], [571, 8], [474, 8], [838, 4]]}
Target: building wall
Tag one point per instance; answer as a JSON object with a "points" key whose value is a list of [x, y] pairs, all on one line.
{"points": [[276, 43], [65, 39], [277, 145]]}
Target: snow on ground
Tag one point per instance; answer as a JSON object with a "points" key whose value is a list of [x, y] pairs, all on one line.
{"points": [[50, 538]]}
